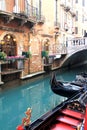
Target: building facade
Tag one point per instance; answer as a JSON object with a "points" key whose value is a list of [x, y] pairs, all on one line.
{"points": [[33, 32], [17, 18]]}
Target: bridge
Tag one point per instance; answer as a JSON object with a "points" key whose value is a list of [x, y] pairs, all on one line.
{"points": [[73, 52]]}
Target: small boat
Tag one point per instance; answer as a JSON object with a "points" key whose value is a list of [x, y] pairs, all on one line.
{"points": [[81, 79], [69, 115], [84, 74], [66, 89]]}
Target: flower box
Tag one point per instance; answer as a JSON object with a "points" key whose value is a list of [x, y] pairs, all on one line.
{"points": [[15, 58]]}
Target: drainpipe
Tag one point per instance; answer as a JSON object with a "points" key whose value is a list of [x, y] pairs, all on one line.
{"points": [[56, 12], [56, 19], [39, 9]]}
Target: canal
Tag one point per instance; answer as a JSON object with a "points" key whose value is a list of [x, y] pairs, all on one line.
{"points": [[15, 98]]}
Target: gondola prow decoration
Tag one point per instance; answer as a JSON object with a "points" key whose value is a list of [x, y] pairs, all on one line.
{"points": [[26, 120]]}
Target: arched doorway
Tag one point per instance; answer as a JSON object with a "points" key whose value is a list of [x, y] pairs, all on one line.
{"points": [[9, 66], [8, 45]]}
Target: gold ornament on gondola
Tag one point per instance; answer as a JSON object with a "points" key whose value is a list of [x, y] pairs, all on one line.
{"points": [[26, 120]]}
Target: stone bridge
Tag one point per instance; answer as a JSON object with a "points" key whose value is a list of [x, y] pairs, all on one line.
{"points": [[75, 53]]}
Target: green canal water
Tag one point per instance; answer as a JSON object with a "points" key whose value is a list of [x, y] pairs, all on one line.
{"points": [[37, 94]]}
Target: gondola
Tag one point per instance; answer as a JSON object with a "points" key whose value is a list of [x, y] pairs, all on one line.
{"points": [[69, 115], [66, 89], [81, 79]]}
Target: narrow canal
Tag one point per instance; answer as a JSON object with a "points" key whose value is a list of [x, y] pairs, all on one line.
{"points": [[37, 94]]}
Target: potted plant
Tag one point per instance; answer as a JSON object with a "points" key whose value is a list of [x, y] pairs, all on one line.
{"points": [[27, 54], [45, 53], [3, 55]]}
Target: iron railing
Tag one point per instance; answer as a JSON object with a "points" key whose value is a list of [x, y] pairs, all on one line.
{"points": [[24, 9]]}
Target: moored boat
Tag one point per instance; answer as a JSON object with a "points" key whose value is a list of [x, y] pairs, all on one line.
{"points": [[66, 89], [81, 79], [69, 115]]}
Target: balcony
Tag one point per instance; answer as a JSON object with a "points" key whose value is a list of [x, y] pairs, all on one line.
{"points": [[23, 14]]}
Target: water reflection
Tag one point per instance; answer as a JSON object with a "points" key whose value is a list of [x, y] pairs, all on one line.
{"points": [[37, 95], [15, 101]]}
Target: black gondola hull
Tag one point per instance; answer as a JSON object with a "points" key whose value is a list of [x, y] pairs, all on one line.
{"points": [[66, 90]]}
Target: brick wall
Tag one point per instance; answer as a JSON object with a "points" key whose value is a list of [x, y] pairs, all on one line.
{"points": [[36, 64], [22, 38]]}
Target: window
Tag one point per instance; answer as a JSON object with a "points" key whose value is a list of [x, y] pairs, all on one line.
{"points": [[63, 38], [65, 17], [83, 2], [76, 1], [83, 19], [76, 15], [76, 30], [84, 32]]}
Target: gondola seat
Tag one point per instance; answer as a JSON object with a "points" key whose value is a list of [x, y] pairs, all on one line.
{"points": [[72, 113], [62, 126]]}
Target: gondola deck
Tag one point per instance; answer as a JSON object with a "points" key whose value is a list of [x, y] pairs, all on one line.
{"points": [[77, 115], [68, 120], [69, 115], [62, 126]]}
